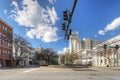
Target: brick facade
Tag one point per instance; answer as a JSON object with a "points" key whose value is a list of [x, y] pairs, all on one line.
{"points": [[6, 35]]}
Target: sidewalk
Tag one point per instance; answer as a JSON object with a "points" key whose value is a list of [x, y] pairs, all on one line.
{"points": [[106, 68], [4, 68], [64, 66], [19, 67], [84, 68]]}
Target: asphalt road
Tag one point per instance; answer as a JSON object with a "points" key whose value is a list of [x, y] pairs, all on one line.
{"points": [[45, 73]]}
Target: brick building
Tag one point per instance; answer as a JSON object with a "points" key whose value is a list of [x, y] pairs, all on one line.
{"points": [[6, 35]]}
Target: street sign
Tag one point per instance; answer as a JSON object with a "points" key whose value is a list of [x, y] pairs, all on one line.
{"points": [[110, 47]]}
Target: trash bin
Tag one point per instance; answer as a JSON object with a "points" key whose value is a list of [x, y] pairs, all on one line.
{"points": [[107, 65]]}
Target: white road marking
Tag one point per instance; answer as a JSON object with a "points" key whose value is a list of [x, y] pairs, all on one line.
{"points": [[30, 70]]}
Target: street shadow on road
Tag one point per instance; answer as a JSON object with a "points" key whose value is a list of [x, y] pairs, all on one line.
{"points": [[79, 67], [83, 69]]}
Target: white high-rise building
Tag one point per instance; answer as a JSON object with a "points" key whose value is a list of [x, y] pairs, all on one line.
{"points": [[81, 47], [88, 44], [74, 42]]}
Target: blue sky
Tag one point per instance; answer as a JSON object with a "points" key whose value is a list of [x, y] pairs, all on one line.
{"points": [[39, 21]]}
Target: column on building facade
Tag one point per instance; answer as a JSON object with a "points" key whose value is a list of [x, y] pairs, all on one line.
{"points": [[111, 54]]}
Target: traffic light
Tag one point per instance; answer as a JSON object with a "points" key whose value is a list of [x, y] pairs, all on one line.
{"points": [[63, 26], [116, 46], [67, 36], [105, 46], [70, 31], [65, 15]]}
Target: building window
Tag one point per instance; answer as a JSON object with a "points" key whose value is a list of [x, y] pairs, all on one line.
{"points": [[9, 45], [8, 53], [1, 42], [101, 61], [0, 35], [5, 53], [0, 51], [3, 27], [0, 26]]}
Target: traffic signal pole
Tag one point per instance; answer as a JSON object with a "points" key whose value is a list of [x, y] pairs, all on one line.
{"points": [[117, 47], [71, 14], [67, 16], [117, 56]]}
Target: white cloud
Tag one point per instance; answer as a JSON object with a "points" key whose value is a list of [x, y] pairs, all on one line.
{"points": [[115, 24], [63, 51], [38, 19], [101, 32], [14, 3], [52, 1], [52, 14], [95, 35], [5, 11]]}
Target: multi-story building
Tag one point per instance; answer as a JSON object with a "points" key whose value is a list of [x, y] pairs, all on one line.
{"points": [[88, 43], [74, 43], [81, 48], [109, 56], [6, 34]]}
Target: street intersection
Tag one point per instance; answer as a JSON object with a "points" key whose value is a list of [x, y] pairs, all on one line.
{"points": [[47, 73]]}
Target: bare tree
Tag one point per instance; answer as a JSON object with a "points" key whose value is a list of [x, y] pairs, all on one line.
{"points": [[48, 55], [21, 44]]}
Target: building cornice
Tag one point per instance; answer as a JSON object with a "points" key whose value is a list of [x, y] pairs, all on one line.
{"points": [[6, 23]]}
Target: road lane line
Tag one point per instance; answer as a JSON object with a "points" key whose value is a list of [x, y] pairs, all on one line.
{"points": [[30, 70]]}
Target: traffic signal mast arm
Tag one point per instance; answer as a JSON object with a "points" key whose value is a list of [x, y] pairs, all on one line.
{"points": [[116, 46], [71, 14], [67, 16]]}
